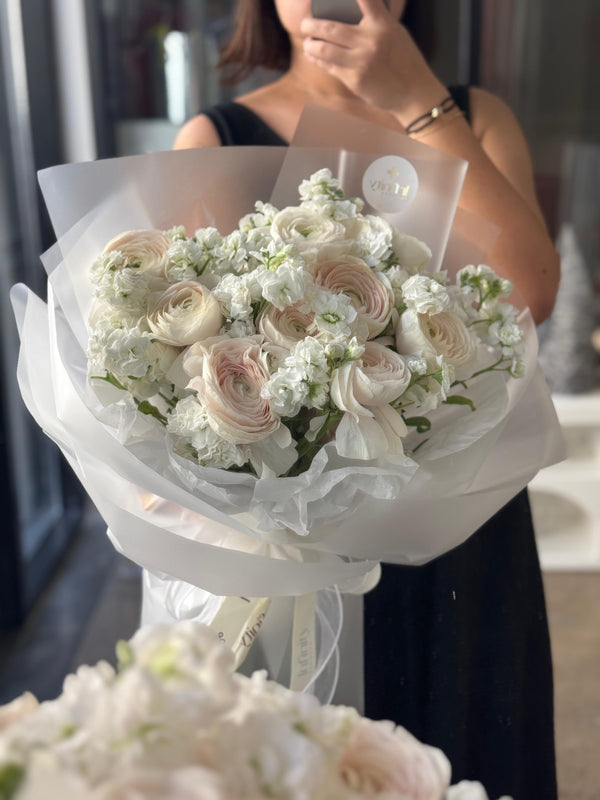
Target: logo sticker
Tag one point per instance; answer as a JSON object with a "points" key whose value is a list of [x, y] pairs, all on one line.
{"points": [[390, 184]]}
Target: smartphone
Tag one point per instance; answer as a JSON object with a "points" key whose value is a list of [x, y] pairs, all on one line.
{"points": [[346, 11]]}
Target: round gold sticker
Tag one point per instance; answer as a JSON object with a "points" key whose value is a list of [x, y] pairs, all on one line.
{"points": [[390, 184]]}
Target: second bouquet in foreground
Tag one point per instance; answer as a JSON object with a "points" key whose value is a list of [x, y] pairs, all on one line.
{"points": [[306, 325]]}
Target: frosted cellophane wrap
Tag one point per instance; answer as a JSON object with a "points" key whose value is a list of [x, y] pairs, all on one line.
{"points": [[232, 533]]}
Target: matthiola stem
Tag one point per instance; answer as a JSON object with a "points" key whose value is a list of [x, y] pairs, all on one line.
{"points": [[307, 450]]}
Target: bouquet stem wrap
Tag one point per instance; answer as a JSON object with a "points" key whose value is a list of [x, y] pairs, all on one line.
{"points": [[264, 559]]}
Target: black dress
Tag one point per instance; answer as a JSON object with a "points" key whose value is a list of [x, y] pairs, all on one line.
{"points": [[458, 651]]}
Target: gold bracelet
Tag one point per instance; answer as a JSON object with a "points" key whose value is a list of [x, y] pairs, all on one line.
{"points": [[447, 119]]}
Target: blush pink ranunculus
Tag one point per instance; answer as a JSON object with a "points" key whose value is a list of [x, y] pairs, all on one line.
{"points": [[228, 375], [383, 760], [185, 313], [285, 327], [145, 248], [372, 299]]}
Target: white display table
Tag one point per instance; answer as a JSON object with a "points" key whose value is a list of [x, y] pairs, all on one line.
{"points": [[565, 498]]}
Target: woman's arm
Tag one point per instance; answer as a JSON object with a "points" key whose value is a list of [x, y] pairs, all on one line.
{"points": [[380, 63]]}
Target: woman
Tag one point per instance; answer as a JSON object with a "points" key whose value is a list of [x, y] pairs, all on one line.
{"points": [[456, 651]]}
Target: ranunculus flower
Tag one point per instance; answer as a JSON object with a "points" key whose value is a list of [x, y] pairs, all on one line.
{"points": [[144, 248], [228, 375], [186, 313], [371, 298], [286, 327], [432, 335], [380, 759], [305, 228], [410, 251], [377, 378]]}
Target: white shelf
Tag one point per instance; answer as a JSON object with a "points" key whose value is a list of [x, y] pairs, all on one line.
{"points": [[565, 498]]}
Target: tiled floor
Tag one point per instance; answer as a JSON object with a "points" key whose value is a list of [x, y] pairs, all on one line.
{"points": [[94, 601]]}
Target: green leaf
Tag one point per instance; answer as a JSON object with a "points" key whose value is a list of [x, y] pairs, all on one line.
{"points": [[11, 776], [422, 424], [147, 408], [459, 400]]}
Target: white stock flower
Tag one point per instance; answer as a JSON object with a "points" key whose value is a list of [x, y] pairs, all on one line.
{"points": [[18, 709], [282, 287], [228, 375], [370, 296], [235, 295], [334, 312], [188, 422], [186, 313], [133, 356], [186, 260], [373, 236], [320, 184], [425, 295]]}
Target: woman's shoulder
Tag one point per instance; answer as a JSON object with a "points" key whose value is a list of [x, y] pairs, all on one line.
{"points": [[202, 130]]}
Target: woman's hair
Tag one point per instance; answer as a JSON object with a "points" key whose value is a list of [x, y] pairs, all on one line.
{"points": [[258, 38]]}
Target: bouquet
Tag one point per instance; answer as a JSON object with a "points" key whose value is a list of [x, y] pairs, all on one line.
{"points": [[175, 721], [305, 325], [241, 399]]}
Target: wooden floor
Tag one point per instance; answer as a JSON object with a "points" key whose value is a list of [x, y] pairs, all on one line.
{"points": [[95, 598]]}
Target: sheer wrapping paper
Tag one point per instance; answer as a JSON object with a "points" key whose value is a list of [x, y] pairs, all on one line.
{"points": [[231, 534]]}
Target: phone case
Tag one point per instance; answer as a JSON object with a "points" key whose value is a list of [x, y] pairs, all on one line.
{"points": [[346, 11]]}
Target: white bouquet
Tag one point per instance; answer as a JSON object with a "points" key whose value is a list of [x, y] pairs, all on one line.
{"points": [[305, 325], [176, 723], [263, 411]]}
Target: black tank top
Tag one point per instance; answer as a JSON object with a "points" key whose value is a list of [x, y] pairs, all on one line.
{"points": [[238, 125]]}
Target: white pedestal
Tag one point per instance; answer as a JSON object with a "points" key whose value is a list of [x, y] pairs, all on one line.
{"points": [[565, 498]]}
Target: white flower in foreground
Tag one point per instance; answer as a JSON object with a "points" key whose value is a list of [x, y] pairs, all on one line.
{"points": [[20, 707], [370, 296], [186, 313], [429, 336], [373, 236], [228, 375], [235, 294], [334, 313], [382, 759], [469, 790], [425, 295], [188, 783]]}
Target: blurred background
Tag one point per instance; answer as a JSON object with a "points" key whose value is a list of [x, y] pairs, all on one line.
{"points": [[88, 79]]}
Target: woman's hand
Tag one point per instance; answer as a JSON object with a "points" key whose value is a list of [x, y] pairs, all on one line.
{"points": [[377, 60]]}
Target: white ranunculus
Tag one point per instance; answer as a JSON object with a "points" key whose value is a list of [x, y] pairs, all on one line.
{"points": [[429, 336], [285, 327], [410, 252], [186, 313], [372, 298], [382, 759], [425, 295], [228, 375], [305, 228]]}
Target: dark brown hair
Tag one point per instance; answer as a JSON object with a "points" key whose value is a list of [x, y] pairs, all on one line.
{"points": [[258, 38]]}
